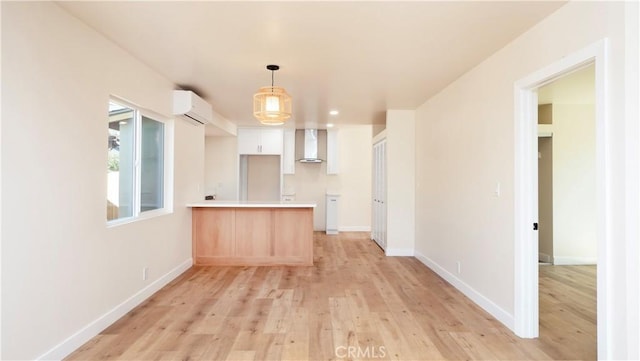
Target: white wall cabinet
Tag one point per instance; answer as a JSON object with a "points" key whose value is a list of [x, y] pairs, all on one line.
{"points": [[332, 151], [379, 190], [260, 141], [289, 152]]}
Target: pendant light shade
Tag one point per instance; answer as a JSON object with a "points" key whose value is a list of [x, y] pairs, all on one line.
{"points": [[272, 104]]}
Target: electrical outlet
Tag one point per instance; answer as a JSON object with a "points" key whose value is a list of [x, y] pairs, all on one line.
{"points": [[459, 265], [145, 273]]}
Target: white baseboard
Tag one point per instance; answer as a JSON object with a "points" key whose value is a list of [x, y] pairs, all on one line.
{"points": [[574, 261], [399, 252], [543, 257], [496, 311], [66, 347], [355, 229]]}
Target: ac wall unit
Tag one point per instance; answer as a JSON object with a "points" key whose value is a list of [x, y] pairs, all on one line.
{"points": [[191, 107]]}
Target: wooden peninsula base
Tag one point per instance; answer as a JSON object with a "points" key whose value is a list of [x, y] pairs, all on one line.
{"points": [[245, 234]]}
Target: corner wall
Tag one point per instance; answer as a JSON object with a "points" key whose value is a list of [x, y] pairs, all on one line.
{"points": [[65, 274], [400, 163]]}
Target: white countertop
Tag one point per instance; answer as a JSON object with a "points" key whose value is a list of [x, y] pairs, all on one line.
{"points": [[250, 204]]}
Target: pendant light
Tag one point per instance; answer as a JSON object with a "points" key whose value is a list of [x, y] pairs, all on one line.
{"points": [[272, 104]]}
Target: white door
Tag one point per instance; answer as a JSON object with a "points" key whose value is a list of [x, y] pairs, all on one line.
{"points": [[374, 191], [379, 218]]}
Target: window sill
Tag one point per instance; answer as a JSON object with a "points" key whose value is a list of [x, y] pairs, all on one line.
{"points": [[142, 216]]}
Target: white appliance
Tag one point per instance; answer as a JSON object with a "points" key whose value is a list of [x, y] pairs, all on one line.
{"points": [[332, 213], [191, 107], [310, 147]]}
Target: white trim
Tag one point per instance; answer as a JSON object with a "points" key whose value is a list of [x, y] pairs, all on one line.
{"points": [[379, 137], [355, 229], [525, 201], [632, 175], [567, 261], [143, 215], [485, 303], [525, 190], [399, 252], [73, 342]]}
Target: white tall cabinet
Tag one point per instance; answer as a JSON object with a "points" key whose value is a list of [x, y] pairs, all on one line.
{"points": [[332, 151], [332, 208], [379, 190], [289, 151]]}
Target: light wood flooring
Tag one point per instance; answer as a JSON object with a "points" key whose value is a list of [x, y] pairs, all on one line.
{"points": [[568, 309], [354, 303]]}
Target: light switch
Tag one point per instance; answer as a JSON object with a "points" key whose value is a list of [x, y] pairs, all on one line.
{"points": [[498, 190]]}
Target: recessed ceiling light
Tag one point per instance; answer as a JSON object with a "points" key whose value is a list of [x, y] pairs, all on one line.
{"points": [[334, 112], [329, 125]]}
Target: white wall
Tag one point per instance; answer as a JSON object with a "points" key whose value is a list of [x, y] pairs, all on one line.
{"points": [[221, 167], [62, 268], [466, 148], [400, 149], [574, 184]]}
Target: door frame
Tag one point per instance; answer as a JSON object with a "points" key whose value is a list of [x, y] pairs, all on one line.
{"points": [[526, 311]]}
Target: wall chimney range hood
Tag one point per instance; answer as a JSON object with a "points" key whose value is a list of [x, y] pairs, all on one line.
{"points": [[310, 147]]}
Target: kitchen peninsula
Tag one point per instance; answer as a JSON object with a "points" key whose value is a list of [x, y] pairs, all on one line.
{"points": [[244, 233]]}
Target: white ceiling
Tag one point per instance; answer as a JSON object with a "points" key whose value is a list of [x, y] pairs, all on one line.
{"points": [[360, 58]]}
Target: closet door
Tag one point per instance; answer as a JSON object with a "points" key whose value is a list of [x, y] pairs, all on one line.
{"points": [[383, 195], [379, 217], [374, 191]]}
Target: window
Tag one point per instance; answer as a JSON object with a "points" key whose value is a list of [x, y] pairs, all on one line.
{"points": [[137, 164]]}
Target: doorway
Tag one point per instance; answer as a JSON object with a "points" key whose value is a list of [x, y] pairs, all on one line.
{"points": [[567, 170], [567, 236], [526, 306]]}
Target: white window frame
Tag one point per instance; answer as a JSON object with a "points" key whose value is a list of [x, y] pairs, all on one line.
{"points": [[167, 167]]}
